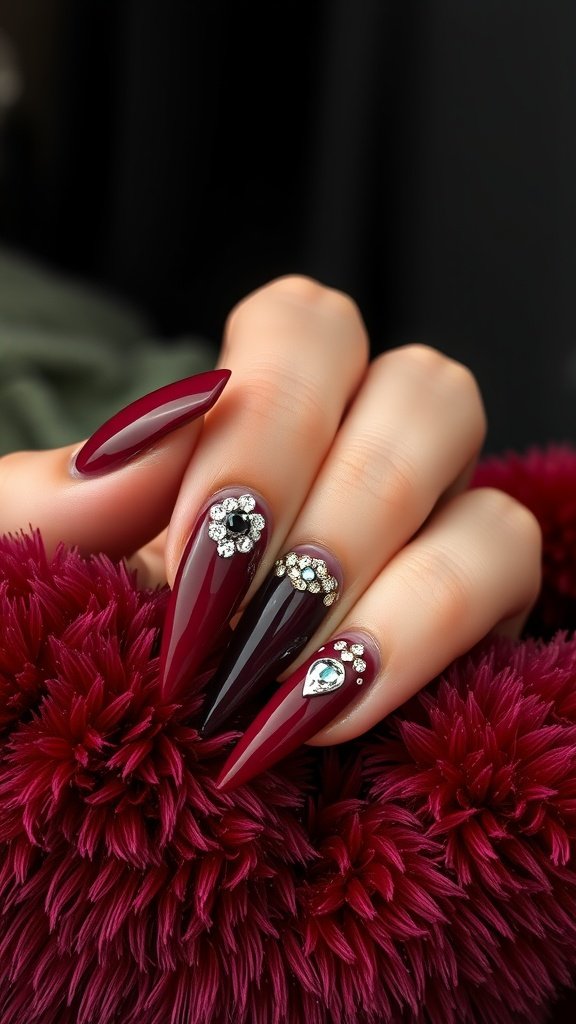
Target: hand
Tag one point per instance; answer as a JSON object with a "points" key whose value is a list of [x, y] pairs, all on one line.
{"points": [[368, 463]]}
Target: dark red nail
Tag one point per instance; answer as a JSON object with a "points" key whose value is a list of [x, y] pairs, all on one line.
{"points": [[276, 626], [323, 686], [146, 420], [215, 572]]}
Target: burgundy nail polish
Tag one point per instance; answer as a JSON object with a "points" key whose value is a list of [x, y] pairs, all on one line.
{"points": [[276, 626], [335, 675], [146, 420], [215, 572]]}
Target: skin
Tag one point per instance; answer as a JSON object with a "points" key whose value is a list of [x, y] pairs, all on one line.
{"points": [[371, 460]]}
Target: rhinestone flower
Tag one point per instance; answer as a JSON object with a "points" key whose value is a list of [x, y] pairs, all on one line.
{"points": [[234, 526], [308, 573]]}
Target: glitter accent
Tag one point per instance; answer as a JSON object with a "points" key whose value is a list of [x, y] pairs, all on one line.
{"points": [[347, 656], [359, 681], [230, 504], [308, 573], [217, 513], [280, 569], [340, 645], [247, 502], [357, 648], [359, 664]]}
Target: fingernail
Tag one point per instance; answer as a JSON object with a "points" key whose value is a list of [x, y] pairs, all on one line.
{"points": [[215, 572], [337, 674], [146, 420], [277, 624]]}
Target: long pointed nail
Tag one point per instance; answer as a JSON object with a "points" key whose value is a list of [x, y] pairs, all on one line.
{"points": [[335, 675], [148, 419], [277, 624], [215, 572]]}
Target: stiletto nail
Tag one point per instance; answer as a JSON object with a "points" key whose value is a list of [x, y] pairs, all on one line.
{"points": [[215, 572], [146, 420], [315, 693], [276, 626]]}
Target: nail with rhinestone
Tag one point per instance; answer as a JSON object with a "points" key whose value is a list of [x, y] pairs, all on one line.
{"points": [[216, 569], [310, 699], [277, 624]]}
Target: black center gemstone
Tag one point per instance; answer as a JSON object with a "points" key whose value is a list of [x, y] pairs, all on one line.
{"points": [[237, 523]]}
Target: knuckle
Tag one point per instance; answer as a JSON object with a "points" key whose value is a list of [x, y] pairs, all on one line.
{"points": [[452, 381], [511, 516], [367, 467], [439, 583], [273, 395]]}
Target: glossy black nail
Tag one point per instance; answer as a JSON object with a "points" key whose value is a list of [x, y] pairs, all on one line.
{"points": [[278, 623]]}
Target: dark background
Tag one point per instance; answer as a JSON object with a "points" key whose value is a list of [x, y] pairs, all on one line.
{"points": [[420, 156]]}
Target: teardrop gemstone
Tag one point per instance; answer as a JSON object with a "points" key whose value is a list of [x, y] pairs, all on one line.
{"points": [[324, 676]]}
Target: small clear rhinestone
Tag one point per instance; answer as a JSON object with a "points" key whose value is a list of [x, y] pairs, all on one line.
{"points": [[230, 504], [246, 502], [329, 584], [357, 648], [216, 531], [322, 570], [217, 513], [359, 665], [291, 558], [329, 599], [299, 584], [314, 587], [226, 548], [255, 534], [244, 544], [258, 521], [340, 645], [304, 560], [347, 656], [280, 569], [359, 681], [294, 572]]}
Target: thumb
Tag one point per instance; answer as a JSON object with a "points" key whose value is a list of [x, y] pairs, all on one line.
{"points": [[116, 491]]}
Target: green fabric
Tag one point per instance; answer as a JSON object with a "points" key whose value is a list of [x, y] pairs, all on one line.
{"points": [[70, 357]]}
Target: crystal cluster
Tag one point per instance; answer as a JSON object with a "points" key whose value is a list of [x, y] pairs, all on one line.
{"points": [[234, 526], [308, 573]]}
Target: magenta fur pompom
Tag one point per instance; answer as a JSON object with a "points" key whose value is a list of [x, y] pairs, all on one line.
{"points": [[423, 874]]}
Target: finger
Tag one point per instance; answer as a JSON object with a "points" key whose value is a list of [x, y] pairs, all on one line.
{"points": [[412, 431], [298, 352], [476, 563], [122, 508], [411, 434]]}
